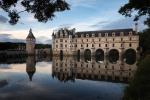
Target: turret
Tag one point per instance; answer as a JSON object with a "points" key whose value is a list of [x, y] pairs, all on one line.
{"points": [[30, 43], [30, 66]]}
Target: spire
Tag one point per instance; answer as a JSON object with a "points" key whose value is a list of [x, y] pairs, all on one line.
{"points": [[30, 35]]}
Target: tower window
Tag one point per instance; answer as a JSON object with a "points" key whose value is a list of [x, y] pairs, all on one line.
{"points": [[130, 45], [113, 45], [92, 45], [99, 45]]}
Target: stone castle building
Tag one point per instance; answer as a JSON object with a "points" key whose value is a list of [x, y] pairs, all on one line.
{"points": [[102, 42], [30, 43]]}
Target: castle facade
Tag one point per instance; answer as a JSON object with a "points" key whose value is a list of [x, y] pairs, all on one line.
{"points": [[102, 42]]}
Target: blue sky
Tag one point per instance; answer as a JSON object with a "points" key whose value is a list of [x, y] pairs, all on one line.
{"points": [[84, 15]]}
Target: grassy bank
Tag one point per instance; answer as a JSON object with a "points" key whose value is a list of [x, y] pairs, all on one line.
{"points": [[139, 87]]}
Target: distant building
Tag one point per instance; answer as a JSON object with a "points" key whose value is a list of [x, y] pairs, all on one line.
{"points": [[30, 43], [102, 42]]}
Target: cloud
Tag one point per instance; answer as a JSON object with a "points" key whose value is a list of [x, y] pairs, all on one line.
{"points": [[125, 23], [3, 19], [9, 38]]}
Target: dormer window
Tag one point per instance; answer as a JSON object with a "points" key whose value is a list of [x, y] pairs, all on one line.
{"points": [[93, 35], [130, 33], [87, 35], [99, 34], [106, 34], [121, 34], [113, 34]]}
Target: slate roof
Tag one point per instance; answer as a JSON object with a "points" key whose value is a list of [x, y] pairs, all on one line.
{"points": [[116, 31], [30, 35]]}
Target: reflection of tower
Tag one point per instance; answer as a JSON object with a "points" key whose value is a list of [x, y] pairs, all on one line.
{"points": [[30, 43], [30, 66]]}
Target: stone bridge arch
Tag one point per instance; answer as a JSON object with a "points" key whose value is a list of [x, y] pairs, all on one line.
{"points": [[113, 55], [129, 56], [99, 54]]}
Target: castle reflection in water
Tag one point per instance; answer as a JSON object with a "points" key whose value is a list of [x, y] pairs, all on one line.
{"points": [[71, 68]]}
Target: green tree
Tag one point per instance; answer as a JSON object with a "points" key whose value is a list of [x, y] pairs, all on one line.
{"points": [[138, 8], [43, 10], [139, 87]]}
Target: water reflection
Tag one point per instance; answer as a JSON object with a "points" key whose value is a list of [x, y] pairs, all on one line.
{"points": [[90, 68], [65, 78], [30, 66]]}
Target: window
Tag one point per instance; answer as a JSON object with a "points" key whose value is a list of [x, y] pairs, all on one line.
{"points": [[121, 39], [87, 40], [113, 34], [56, 41], [130, 38], [93, 35], [61, 45], [99, 45], [105, 45], [106, 39], [113, 45], [87, 35], [92, 45], [121, 33], [99, 34], [121, 45], [81, 45], [106, 34], [130, 45], [87, 45], [61, 40], [130, 33], [113, 39], [56, 46], [65, 40], [65, 45], [99, 39]]}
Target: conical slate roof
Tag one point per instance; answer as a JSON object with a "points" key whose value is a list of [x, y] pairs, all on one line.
{"points": [[30, 35]]}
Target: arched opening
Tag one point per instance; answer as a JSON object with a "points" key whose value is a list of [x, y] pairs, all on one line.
{"points": [[99, 55], [130, 56], [87, 55], [113, 55]]}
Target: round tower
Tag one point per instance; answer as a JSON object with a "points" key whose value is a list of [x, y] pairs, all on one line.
{"points": [[30, 43]]}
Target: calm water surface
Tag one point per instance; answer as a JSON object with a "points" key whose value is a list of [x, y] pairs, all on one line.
{"points": [[63, 79]]}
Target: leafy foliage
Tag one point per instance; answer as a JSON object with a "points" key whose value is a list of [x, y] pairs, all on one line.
{"points": [[140, 7], [139, 88], [145, 41], [43, 10]]}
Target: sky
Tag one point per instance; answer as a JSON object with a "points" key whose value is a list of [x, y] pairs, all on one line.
{"points": [[84, 15]]}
